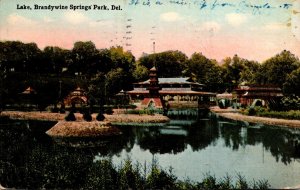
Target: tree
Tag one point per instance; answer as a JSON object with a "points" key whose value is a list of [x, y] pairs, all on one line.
{"points": [[54, 59], [276, 69], [238, 71], [117, 79], [248, 73], [20, 57], [232, 68], [84, 58], [19, 62], [141, 72], [204, 71], [292, 83], [96, 87], [122, 59], [169, 63]]}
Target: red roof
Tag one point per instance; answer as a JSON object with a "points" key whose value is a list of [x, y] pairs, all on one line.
{"points": [[157, 102], [153, 69], [171, 92], [29, 90]]}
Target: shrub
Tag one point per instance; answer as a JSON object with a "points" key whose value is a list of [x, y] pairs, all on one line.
{"points": [[109, 110], [291, 103], [145, 111], [70, 117], [251, 111], [100, 117], [54, 110], [264, 112], [62, 108], [223, 103], [87, 116]]}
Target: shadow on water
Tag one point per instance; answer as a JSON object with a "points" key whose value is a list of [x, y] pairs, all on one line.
{"points": [[282, 143], [29, 158]]}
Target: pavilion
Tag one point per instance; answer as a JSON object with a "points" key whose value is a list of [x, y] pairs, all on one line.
{"points": [[269, 94], [176, 92]]}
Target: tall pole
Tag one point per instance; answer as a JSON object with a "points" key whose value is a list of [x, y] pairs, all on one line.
{"points": [[153, 47]]}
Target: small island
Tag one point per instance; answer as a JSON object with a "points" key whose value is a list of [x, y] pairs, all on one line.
{"points": [[82, 129]]}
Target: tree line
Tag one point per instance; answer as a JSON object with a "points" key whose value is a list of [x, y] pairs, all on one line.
{"points": [[54, 71]]}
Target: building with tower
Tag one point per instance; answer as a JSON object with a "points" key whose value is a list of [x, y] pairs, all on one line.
{"points": [[152, 99], [174, 92]]}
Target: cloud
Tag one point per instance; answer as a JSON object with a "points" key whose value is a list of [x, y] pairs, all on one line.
{"points": [[211, 26], [47, 19], [170, 17], [295, 20], [18, 20], [101, 23], [75, 17], [235, 19], [274, 26]]}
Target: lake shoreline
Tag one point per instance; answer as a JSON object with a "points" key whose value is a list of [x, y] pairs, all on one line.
{"points": [[47, 116], [132, 118], [234, 115]]}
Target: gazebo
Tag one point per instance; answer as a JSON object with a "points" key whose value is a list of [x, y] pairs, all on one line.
{"points": [[28, 97], [77, 98]]}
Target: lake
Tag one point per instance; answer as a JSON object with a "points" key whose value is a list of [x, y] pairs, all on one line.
{"points": [[192, 145]]}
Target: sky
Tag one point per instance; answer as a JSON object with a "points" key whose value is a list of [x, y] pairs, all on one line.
{"points": [[252, 29]]}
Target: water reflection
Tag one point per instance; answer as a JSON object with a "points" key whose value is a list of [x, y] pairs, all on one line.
{"points": [[282, 143], [27, 151]]}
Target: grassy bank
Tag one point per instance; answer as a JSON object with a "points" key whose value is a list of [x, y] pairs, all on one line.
{"points": [[263, 112], [137, 176], [133, 118], [47, 116], [103, 174]]}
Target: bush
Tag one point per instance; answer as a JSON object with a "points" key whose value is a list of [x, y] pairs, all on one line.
{"points": [[87, 116], [251, 111], [145, 111], [100, 116], [223, 103], [62, 108], [291, 103], [55, 110], [70, 117], [264, 112], [109, 110]]}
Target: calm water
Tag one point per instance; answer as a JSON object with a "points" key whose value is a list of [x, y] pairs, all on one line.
{"points": [[191, 146]]}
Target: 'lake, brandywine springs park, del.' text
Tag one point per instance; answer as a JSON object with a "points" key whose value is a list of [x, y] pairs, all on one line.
{"points": [[68, 7]]}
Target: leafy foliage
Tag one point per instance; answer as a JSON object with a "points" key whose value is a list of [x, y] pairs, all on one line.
{"points": [[237, 71], [53, 72], [205, 71], [291, 103], [264, 112], [164, 61], [276, 69], [292, 83], [70, 116]]}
